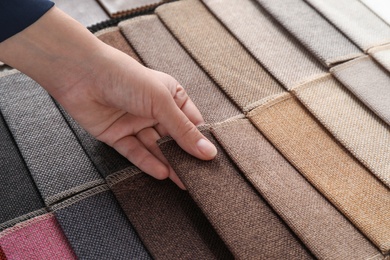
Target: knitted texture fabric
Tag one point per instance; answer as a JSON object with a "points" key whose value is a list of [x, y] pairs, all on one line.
{"points": [[166, 218], [168, 56], [37, 238], [369, 82], [323, 229], [361, 197], [355, 20], [218, 52], [356, 127], [121, 7], [241, 217], [97, 228], [320, 37], [284, 57], [2, 255], [54, 157], [380, 8], [381, 54]]}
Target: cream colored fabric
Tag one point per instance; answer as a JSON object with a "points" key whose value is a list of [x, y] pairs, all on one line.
{"points": [[381, 54], [380, 8]]}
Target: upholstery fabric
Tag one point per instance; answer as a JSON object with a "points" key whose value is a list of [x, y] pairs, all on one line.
{"points": [[284, 57], [2, 256], [37, 238], [166, 218], [355, 20], [361, 197], [363, 134], [122, 7], [368, 82], [381, 55], [241, 217], [97, 228], [320, 37], [323, 229], [218, 52], [168, 56], [50, 154], [380, 8]]}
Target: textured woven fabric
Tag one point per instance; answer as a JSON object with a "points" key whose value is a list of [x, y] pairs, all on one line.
{"points": [[312, 30], [361, 197], [55, 159], [168, 221], [284, 57], [382, 55], [2, 255], [218, 52], [18, 193], [368, 82], [380, 8], [324, 230], [121, 7], [249, 227], [355, 20], [354, 125], [37, 238], [97, 228], [165, 54]]}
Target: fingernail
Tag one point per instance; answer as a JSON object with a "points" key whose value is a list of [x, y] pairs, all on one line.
{"points": [[207, 148]]}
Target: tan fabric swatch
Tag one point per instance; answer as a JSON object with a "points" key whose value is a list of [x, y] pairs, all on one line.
{"points": [[121, 7], [324, 230], [380, 8], [381, 54], [353, 124], [355, 20], [361, 197], [160, 51], [242, 218], [369, 82], [218, 52]]}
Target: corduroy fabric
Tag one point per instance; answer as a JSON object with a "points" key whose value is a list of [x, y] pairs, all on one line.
{"points": [[368, 82], [355, 20], [361, 197], [168, 221], [354, 125], [18, 193], [122, 7], [324, 230], [312, 30], [381, 54], [284, 57], [218, 52], [249, 227], [37, 238], [52, 153], [380, 8], [165, 54]]}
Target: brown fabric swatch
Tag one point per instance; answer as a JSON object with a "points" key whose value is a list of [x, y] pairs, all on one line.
{"points": [[361, 197], [353, 124], [249, 227], [381, 54], [122, 7], [218, 52], [166, 218], [324, 230], [160, 51]]}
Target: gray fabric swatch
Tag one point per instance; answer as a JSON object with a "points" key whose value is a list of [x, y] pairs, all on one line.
{"points": [[380, 8], [381, 55]]}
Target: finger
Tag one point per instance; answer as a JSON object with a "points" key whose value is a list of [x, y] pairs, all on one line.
{"points": [[149, 137], [184, 102], [161, 130]]}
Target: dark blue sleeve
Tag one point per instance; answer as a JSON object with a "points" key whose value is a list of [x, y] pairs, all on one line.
{"points": [[16, 15]]}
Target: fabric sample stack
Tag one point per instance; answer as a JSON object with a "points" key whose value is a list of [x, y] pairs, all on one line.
{"points": [[296, 98]]}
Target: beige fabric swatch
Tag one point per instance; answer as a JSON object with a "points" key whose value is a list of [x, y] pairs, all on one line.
{"points": [[380, 8], [356, 127], [361, 197], [323, 229], [381, 54], [218, 52], [116, 8]]}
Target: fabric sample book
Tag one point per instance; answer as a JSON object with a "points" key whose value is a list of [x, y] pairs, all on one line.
{"points": [[241, 217], [323, 229], [380, 8], [122, 7], [168, 56], [218, 52], [381, 54], [361, 197], [51, 154]]}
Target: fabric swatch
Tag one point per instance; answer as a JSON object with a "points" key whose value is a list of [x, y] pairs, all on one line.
{"points": [[37, 238], [165, 54], [355, 20], [54, 157], [122, 7], [218, 52], [381, 55], [320, 37], [363, 134], [380, 8], [361, 197], [368, 82], [248, 226], [284, 57], [2, 255], [97, 228], [166, 218], [323, 229]]}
